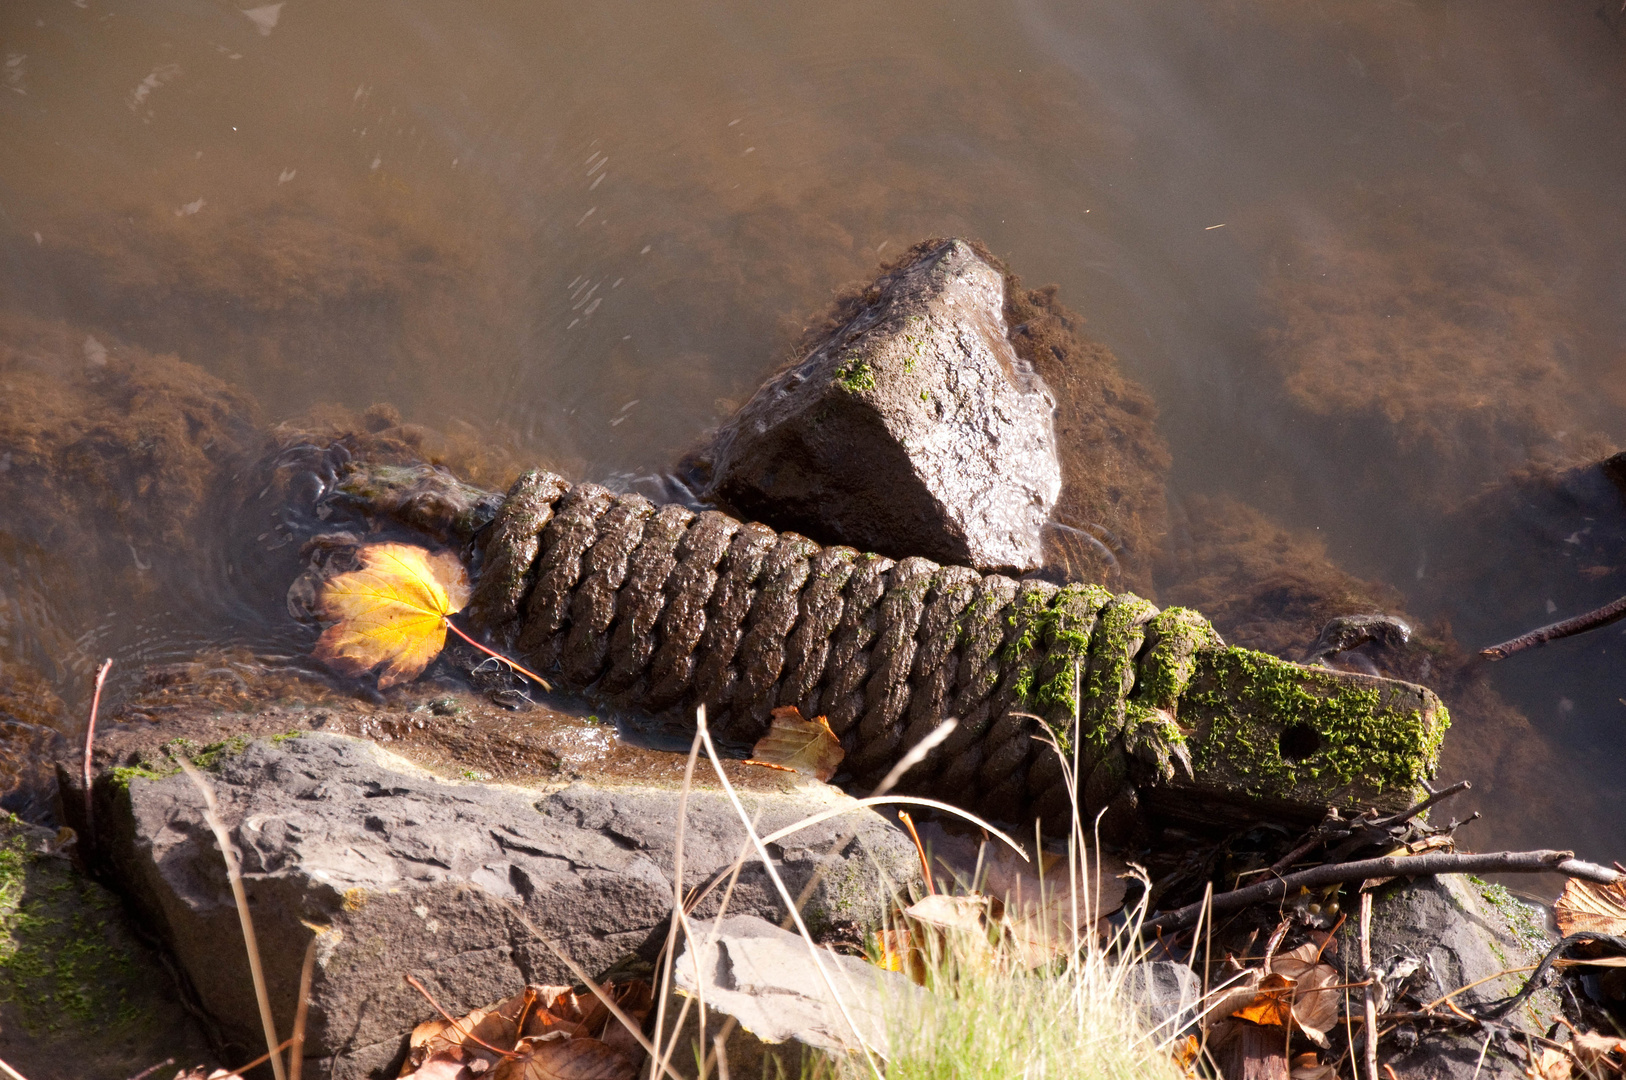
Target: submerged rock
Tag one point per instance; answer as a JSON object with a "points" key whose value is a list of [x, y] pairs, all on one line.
{"points": [[913, 429], [400, 872]]}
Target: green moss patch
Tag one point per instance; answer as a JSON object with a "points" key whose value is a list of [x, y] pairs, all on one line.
{"points": [[1277, 725], [63, 964], [166, 761]]}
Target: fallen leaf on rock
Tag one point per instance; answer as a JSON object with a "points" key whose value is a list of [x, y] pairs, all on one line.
{"points": [[391, 612], [1549, 1064], [542, 1033], [1586, 905], [1594, 1050], [1294, 994], [808, 747]]}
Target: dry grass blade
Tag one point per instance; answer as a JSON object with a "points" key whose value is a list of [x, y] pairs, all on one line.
{"points": [[296, 1056], [892, 800], [150, 1069], [229, 852], [9, 1073], [784, 894], [1369, 1003], [678, 915]]}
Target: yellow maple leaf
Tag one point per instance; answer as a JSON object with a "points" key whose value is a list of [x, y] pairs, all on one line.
{"points": [[391, 612]]}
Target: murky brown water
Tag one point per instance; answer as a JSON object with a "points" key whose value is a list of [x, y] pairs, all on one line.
{"points": [[1367, 256]]}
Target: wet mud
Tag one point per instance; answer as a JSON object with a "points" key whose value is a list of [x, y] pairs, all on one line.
{"points": [[227, 698]]}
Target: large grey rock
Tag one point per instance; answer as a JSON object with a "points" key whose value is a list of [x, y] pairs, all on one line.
{"points": [[404, 873], [914, 429], [766, 979], [1435, 935]]}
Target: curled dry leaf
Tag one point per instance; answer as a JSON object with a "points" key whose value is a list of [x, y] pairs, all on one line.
{"points": [[1597, 1052], [1295, 993], [1043, 908], [391, 613], [1549, 1064], [566, 1059], [1586, 905], [542, 1033], [1309, 1067], [808, 747]]}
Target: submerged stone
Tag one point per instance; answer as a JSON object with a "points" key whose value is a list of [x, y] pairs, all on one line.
{"points": [[913, 429]]}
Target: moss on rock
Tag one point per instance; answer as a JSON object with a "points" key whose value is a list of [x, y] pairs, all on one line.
{"points": [[79, 995]]}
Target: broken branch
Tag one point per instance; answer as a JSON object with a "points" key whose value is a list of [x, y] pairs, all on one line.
{"points": [[1552, 632], [1390, 866]]}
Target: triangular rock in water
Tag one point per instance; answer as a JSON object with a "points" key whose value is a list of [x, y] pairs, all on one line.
{"points": [[913, 429]]}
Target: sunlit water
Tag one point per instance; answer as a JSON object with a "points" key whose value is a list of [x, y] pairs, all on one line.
{"points": [[1367, 256]]}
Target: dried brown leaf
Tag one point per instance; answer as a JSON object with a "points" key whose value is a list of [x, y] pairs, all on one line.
{"points": [[1595, 1050], [567, 1059], [1550, 1064], [962, 914], [1272, 1004], [1586, 905], [1314, 1007], [808, 747], [1043, 908], [442, 1066]]}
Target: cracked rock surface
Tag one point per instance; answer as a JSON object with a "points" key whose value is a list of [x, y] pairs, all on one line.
{"points": [[401, 872]]}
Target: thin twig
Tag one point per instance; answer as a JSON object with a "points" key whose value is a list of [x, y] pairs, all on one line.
{"points": [[150, 1069], [1554, 631], [1411, 812], [90, 739], [1388, 866], [296, 1057], [9, 1073], [412, 981], [260, 1060], [527, 672], [229, 852], [1444, 998], [1369, 1003]]}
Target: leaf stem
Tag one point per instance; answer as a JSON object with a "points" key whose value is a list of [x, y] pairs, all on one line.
{"points": [[497, 655]]}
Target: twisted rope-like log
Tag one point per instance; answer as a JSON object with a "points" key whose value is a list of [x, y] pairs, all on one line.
{"points": [[663, 607]]}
